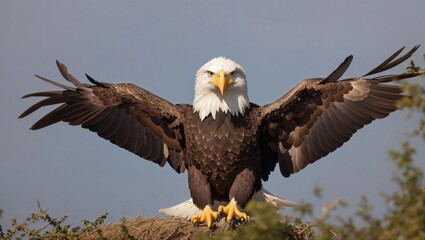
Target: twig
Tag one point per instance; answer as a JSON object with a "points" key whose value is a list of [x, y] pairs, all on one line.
{"points": [[172, 233], [335, 235]]}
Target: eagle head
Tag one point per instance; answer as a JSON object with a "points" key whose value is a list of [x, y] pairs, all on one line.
{"points": [[220, 85]]}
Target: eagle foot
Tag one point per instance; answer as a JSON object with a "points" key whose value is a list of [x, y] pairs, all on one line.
{"points": [[232, 212], [207, 216]]}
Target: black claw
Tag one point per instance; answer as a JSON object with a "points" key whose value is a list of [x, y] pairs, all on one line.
{"points": [[234, 222]]}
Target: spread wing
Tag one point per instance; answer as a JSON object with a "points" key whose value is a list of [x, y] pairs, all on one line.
{"points": [[124, 114], [319, 115]]}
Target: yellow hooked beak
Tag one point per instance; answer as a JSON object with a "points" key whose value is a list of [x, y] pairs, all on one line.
{"points": [[222, 80]]}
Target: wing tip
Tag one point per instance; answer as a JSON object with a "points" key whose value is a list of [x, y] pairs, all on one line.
{"points": [[61, 65], [95, 82], [393, 60], [26, 96], [339, 71]]}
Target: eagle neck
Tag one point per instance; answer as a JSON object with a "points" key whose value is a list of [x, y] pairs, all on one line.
{"points": [[210, 103]]}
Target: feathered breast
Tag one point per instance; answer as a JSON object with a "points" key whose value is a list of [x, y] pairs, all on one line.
{"points": [[221, 141]]}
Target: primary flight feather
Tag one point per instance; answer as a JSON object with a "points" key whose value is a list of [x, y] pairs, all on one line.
{"points": [[227, 144]]}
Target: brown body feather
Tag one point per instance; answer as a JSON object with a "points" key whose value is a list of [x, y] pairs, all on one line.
{"points": [[227, 157], [221, 149]]}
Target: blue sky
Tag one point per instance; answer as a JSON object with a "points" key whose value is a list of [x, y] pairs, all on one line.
{"points": [[159, 46]]}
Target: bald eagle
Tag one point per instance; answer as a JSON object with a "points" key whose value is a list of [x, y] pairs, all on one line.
{"points": [[227, 144]]}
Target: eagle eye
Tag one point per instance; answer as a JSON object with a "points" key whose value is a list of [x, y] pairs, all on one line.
{"points": [[233, 73], [210, 74]]}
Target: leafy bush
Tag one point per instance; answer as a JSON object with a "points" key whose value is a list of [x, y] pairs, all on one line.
{"points": [[51, 228]]}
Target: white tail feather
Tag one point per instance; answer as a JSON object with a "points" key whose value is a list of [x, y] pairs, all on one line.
{"points": [[186, 209]]}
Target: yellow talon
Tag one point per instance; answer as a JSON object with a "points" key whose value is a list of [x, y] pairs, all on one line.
{"points": [[232, 212], [207, 216]]}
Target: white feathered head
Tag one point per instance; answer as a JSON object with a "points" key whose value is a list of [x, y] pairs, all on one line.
{"points": [[220, 85]]}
